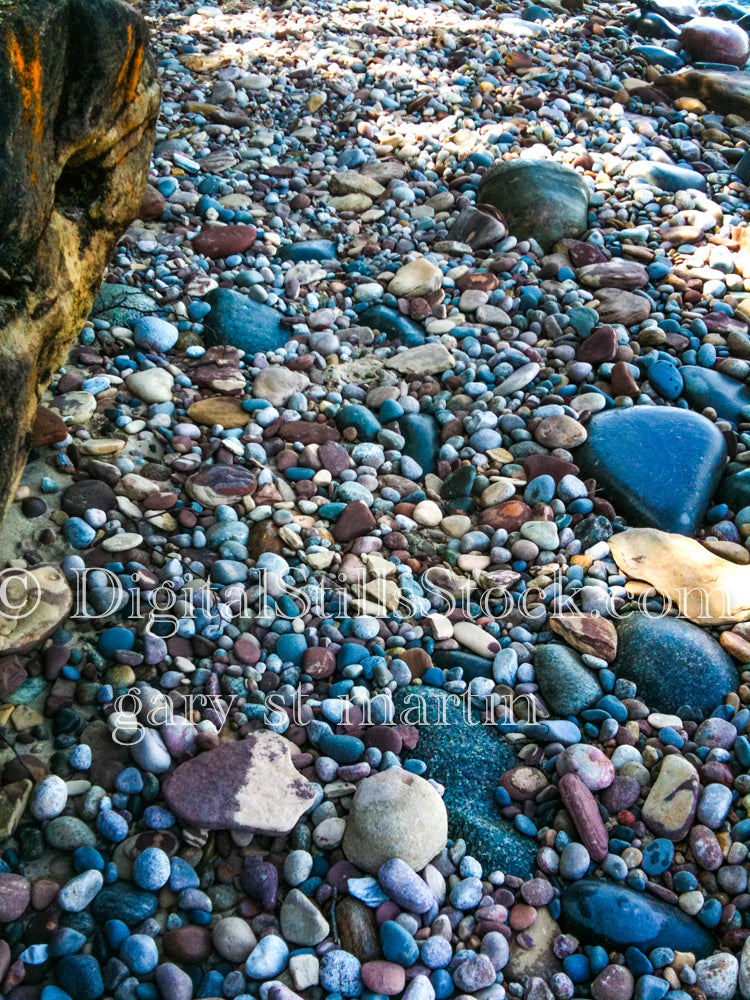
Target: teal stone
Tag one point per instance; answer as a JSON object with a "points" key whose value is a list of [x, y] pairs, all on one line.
{"points": [[422, 440], [31, 688], [666, 379], [673, 663], [392, 324], [658, 466], [306, 250], [459, 483], [655, 55], [539, 199], [705, 387], [361, 419], [666, 176], [734, 491], [123, 901], [445, 737], [240, 322], [68, 833], [601, 912], [122, 305], [567, 686]]}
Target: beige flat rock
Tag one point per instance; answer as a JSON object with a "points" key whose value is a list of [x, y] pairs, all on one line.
{"points": [[705, 588], [33, 604], [428, 359]]}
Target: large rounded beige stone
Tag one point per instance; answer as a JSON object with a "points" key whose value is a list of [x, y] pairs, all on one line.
{"points": [[395, 814]]}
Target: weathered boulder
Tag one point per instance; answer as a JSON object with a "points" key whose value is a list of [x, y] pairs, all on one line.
{"points": [[79, 101]]}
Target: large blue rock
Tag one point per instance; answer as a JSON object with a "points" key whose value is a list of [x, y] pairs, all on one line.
{"points": [[445, 737], [392, 324], [422, 439], [658, 466], [673, 663], [123, 901], [600, 912], [705, 387], [240, 322]]}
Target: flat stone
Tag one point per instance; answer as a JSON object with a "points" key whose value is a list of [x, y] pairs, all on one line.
{"points": [[224, 410], [622, 274], [223, 241], [220, 484], [444, 737], [36, 602], [673, 663], [658, 466], [615, 306], [248, 785], [429, 359], [277, 384], [154, 385], [604, 913]]}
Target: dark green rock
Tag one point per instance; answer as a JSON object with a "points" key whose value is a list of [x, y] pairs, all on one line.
{"points": [[704, 387], [459, 483], [657, 465], [392, 324], [600, 912], [422, 439], [445, 738], [306, 250], [538, 198], [240, 322], [735, 490], [566, 685], [673, 663]]}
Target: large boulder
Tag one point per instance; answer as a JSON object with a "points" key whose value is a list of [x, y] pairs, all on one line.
{"points": [[80, 98]]}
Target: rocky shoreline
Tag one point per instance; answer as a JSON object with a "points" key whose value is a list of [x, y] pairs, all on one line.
{"points": [[376, 604]]}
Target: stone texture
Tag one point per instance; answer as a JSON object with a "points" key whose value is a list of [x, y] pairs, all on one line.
{"points": [[247, 785], [395, 814], [80, 102]]}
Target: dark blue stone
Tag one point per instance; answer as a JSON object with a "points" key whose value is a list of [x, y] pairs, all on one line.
{"points": [[240, 322], [80, 976], [655, 55], [307, 250], [659, 466], [361, 419], [673, 663], [123, 901], [446, 736], [471, 664], [393, 325], [422, 439], [704, 387], [609, 914]]}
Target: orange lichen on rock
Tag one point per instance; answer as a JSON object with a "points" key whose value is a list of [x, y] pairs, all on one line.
{"points": [[28, 71]]}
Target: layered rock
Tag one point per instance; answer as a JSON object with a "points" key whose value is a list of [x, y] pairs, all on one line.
{"points": [[80, 98]]}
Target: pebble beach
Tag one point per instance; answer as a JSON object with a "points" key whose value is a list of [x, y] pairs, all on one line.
{"points": [[375, 607]]}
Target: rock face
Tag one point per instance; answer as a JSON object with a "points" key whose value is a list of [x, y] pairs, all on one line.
{"points": [[80, 98]]}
